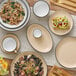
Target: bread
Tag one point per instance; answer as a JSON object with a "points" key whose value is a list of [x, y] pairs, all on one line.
{"points": [[56, 71]]}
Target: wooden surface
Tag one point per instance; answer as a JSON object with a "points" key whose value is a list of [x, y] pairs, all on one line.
{"points": [[69, 5], [72, 72]]}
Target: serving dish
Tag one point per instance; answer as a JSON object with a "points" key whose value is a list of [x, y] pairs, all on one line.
{"points": [[14, 37], [62, 14], [66, 52], [44, 43], [26, 9], [28, 54]]}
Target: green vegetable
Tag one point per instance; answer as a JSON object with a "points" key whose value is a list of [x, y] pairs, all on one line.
{"points": [[12, 3], [12, 6], [8, 14], [4, 11], [23, 14]]}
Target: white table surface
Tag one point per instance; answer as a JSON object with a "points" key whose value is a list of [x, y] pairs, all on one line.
{"points": [[25, 46]]}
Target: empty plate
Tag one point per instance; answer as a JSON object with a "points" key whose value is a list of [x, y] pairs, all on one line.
{"points": [[66, 52]]}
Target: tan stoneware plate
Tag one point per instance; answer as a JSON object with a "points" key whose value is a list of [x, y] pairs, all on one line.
{"points": [[44, 43], [60, 13], [66, 52], [28, 53], [15, 38]]}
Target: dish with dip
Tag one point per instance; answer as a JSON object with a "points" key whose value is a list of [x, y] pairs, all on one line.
{"points": [[10, 43], [66, 52], [39, 38], [60, 22]]}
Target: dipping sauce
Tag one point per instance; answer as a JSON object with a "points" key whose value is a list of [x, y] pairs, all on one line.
{"points": [[66, 52], [9, 44], [41, 8], [37, 33]]}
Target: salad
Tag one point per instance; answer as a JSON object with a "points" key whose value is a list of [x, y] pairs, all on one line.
{"points": [[29, 65], [60, 23], [3, 67]]}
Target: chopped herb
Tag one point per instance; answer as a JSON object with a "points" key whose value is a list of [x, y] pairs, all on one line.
{"points": [[4, 11], [4, 21], [13, 6], [23, 14], [12, 3], [7, 21], [18, 15], [12, 11], [8, 14]]}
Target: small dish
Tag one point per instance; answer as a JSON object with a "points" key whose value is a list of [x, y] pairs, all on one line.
{"points": [[10, 43], [41, 8], [67, 17], [27, 56], [26, 8], [44, 43], [66, 52], [37, 33]]}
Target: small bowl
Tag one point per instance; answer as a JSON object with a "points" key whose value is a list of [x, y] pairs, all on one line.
{"points": [[41, 8], [10, 43], [9, 27], [37, 33]]}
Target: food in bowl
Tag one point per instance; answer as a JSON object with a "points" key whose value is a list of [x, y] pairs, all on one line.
{"points": [[12, 13], [28, 65], [3, 67], [61, 23]]}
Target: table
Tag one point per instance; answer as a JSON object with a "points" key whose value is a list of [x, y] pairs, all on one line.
{"points": [[25, 46]]}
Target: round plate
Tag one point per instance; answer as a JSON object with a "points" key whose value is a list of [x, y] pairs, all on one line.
{"points": [[23, 22], [28, 53], [66, 52], [44, 43], [60, 13], [14, 37]]}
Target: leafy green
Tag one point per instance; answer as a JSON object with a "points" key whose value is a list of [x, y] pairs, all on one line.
{"points": [[23, 14]]}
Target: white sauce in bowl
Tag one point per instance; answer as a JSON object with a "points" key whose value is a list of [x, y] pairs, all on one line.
{"points": [[9, 44], [41, 8]]}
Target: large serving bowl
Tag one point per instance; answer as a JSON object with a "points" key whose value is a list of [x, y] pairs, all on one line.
{"points": [[23, 23], [13, 65]]}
